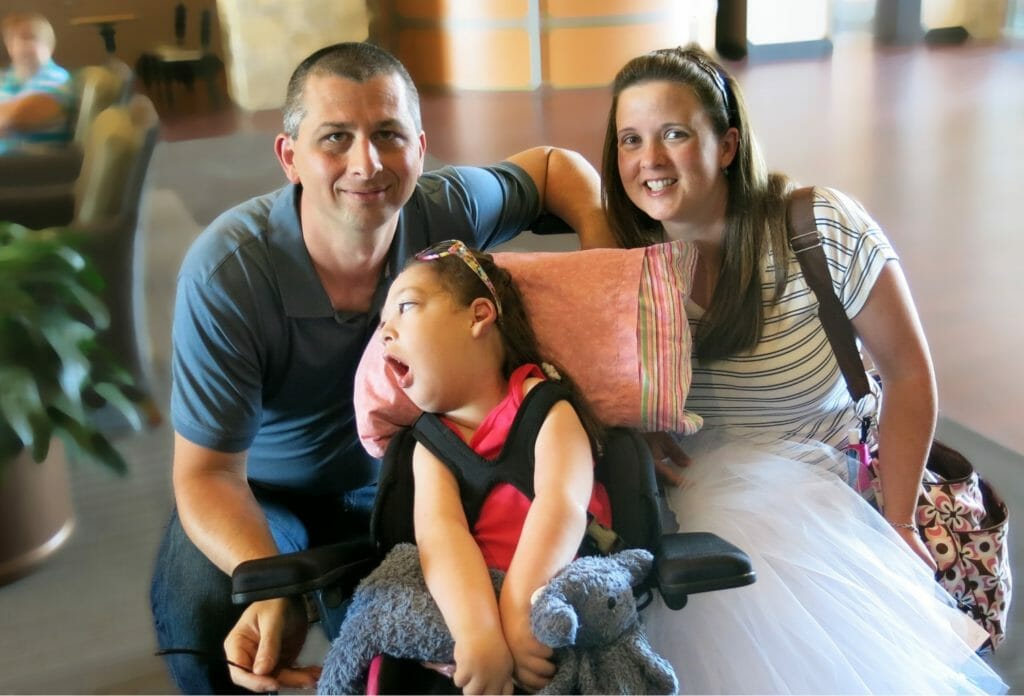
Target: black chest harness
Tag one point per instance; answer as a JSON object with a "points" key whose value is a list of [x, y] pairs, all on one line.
{"points": [[475, 475]]}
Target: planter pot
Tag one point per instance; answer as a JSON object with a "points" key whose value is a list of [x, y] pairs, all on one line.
{"points": [[36, 515]]}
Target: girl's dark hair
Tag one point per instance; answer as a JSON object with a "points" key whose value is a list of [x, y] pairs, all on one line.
{"points": [[517, 335], [755, 212]]}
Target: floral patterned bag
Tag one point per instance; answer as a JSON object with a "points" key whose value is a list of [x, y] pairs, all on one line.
{"points": [[962, 521]]}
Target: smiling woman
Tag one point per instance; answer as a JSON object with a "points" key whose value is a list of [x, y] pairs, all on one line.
{"points": [[768, 470], [667, 166]]}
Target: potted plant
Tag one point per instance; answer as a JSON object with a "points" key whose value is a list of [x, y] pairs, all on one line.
{"points": [[53, 374]]}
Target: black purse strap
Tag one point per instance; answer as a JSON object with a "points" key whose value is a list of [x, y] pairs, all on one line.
{"points": [[805, 241]]}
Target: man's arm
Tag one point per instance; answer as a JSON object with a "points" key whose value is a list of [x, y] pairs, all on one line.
{"points": [[217, 507], [29, 111], [222, 518], [570, 188]]}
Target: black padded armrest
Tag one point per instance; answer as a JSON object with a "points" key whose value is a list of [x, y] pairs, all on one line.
{"points": [[342, 565], [693, 562]]}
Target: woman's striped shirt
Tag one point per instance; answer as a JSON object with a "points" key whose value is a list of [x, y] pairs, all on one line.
{"points": [[789, 386]]}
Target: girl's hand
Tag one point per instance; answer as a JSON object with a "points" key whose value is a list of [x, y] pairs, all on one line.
{"points": [[483, 665], [533, 665]]}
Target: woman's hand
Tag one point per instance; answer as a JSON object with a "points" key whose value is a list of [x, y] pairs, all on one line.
{"points": [[668, 457], [913, 540], [483, 664]]}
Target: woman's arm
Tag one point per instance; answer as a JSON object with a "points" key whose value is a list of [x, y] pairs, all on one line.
{"points": [[891, 332], [458, 579], [555, 524]]}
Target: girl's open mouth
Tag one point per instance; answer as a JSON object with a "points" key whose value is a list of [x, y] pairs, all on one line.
{"points": [[399, 369]]}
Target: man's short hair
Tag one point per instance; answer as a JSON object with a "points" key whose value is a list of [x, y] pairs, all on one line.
{"points": [[40, 25], [356, 61]]}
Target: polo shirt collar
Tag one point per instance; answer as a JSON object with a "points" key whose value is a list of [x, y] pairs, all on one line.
{"points": [[302, 293]]}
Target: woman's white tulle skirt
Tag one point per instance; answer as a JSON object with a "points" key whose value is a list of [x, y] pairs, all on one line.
{"points": [[840, 606]]}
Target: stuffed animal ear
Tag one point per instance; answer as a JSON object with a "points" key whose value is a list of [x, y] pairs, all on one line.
{"points": [[554, 620], [636, 562]]}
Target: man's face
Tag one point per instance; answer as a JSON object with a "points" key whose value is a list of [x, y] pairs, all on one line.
{"points": [[27, 50], [358, 153]]}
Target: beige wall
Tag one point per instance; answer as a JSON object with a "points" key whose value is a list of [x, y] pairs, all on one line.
{"points": [[266, 39], [523, 44], [80, 45]]}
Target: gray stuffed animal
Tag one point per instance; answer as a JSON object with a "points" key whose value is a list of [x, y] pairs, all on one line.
{"points": [[588, 614], [392, 612]]}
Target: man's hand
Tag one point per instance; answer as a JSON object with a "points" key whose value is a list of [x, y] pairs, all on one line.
{"points": [[264, 643], [668, 457]]}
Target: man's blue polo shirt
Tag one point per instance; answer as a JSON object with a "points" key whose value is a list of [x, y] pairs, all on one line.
{"points": [[261, 360]]}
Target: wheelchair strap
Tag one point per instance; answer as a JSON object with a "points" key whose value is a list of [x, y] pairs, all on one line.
{"points": [[476, 476]]}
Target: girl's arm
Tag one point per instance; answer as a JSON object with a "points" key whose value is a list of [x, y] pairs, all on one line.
{"points": [[891, 331], [458, 579], [555, 524]]}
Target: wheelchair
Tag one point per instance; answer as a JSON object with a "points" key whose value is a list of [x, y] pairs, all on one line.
{"points": [[685, 563]]}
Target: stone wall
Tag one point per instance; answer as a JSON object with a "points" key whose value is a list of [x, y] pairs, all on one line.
{"points": [[265, 39]]}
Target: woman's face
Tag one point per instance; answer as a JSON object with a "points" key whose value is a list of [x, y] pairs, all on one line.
{"points": [[670, 158]]}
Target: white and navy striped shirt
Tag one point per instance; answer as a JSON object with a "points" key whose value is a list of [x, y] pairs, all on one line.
{"points": [[789, 386]]}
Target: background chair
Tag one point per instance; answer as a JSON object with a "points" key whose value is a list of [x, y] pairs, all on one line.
{"points": [[96, 88], [168, 64], [102, 205]]}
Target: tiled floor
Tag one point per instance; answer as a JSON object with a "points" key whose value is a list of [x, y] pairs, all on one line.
{"points": [[928, 139]]}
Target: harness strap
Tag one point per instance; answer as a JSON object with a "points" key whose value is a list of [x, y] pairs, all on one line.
{"points": [[475, 475]]}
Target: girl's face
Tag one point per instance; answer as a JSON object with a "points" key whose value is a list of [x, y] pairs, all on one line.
{"points": [[670, 159], [428, 336]]}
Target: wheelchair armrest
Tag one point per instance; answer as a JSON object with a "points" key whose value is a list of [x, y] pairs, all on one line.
{"points": [[342, 565], [691, 562]]}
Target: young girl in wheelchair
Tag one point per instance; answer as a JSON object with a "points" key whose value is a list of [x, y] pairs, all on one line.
{"points": [[456, 337]]}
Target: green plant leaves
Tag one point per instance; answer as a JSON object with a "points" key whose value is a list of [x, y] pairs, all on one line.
{"points": [[52, 367]]}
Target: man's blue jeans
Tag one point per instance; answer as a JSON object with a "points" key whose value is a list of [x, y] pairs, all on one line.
{"points": [[191, 597]]}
